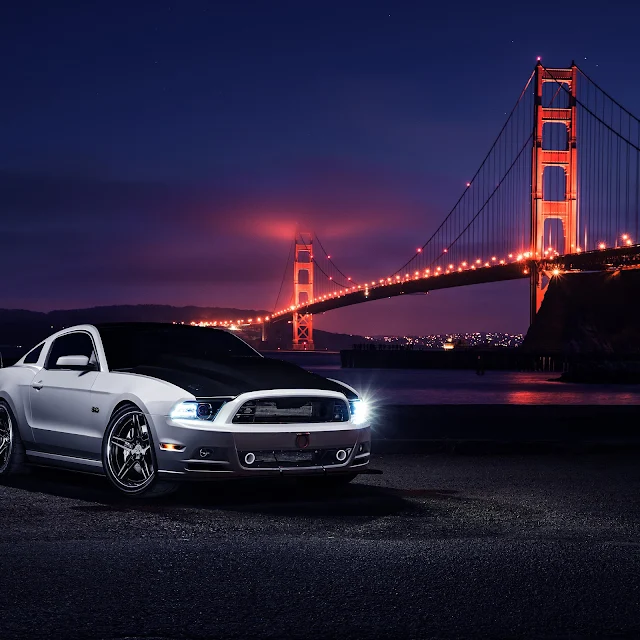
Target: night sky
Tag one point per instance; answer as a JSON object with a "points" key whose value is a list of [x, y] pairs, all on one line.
{"points": [[163, 152]]}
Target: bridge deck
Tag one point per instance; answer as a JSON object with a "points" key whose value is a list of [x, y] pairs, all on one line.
{"points": [[600, 260]]}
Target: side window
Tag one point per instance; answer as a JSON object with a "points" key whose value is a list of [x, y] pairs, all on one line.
{"points": [[73, 344], [33, 355]]}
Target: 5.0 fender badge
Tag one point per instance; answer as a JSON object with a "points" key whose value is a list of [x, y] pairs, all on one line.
{"points": [[95, 410]]}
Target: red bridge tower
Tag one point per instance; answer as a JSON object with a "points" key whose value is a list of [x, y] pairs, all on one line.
{"points": [[303, 293], [542, 209]]}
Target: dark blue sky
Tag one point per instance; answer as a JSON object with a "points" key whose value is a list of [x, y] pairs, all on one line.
{"points": [[162, 152]]}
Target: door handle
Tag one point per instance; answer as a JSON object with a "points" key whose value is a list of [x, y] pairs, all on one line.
{"points": [[37, 385]]}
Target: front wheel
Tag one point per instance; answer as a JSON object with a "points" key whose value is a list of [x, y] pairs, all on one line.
{"points": [[129, 458], [12, 453]]}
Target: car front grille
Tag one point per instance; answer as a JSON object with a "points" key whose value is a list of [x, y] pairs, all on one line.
{"points": [[292, 459], [292, 410]]}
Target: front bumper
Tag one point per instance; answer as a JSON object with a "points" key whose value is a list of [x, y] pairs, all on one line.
{"points": [[222, 449]]}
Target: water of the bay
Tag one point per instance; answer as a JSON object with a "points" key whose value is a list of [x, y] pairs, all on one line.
{"points": [[432, 386]]}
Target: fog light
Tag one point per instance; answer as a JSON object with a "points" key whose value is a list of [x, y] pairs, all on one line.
{"points": [[250, 458], [341, 456], [170, 446], [205, 453]]}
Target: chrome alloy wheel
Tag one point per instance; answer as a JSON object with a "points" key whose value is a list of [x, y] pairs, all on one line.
{"points": [[129, 453], [6, 438]]}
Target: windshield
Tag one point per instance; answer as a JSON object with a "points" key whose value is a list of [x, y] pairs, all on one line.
{"points": [[128, 346]]}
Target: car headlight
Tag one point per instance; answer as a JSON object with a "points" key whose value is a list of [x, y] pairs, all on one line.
{"points": [[359, 411], [193, 410]]}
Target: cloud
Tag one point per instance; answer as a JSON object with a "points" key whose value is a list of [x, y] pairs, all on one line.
{"points": [[81, 236]]}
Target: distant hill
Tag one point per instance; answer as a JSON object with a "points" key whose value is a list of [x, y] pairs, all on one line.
{"points": [[325, 340], [26, 328]]}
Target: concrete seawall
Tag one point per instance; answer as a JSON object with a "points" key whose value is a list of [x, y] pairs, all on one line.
{"points": [[493, 428]]}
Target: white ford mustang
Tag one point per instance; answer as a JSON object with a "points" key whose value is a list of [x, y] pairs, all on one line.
{"points": [[149, 404]]}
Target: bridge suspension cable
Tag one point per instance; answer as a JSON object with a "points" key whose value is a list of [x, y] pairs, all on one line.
{"points": [[500, 189], [328, 277], [344, 275], [285, 276]]}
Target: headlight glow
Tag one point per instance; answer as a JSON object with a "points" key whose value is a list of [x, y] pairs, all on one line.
{"points": [[192, 410], [185, 411], [359, 411]]}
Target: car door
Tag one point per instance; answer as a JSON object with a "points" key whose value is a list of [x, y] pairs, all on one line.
{"points": [[62, 417]]}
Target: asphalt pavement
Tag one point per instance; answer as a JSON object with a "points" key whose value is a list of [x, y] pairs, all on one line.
{"points": [[438, 546]]}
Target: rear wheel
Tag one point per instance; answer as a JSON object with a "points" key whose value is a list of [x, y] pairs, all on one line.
{"points": [[129, 458], [12, 454]]}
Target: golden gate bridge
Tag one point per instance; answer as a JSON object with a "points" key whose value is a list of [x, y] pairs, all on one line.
{"points": [[557, 192]]}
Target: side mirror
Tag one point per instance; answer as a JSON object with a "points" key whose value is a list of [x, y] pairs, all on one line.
{"points": [[80, 362]]}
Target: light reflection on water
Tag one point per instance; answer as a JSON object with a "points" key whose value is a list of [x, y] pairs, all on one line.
{"points": [[428, 386]]}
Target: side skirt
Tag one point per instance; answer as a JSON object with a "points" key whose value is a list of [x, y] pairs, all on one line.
{"points": [[65, 461]]}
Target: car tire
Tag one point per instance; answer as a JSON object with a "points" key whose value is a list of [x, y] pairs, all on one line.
{"points": [[13, 458], [129, 457]]}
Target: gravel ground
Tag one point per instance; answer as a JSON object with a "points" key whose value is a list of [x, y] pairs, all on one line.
{"points": [[439, 546]]}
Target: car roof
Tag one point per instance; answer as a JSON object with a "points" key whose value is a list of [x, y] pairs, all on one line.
{"points": [[148, 325]]}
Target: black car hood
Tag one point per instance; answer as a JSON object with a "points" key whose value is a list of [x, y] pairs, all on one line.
{"points": [[233, 376]]}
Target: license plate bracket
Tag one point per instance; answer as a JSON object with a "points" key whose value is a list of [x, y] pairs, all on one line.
{"points": [[294, 456]]}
